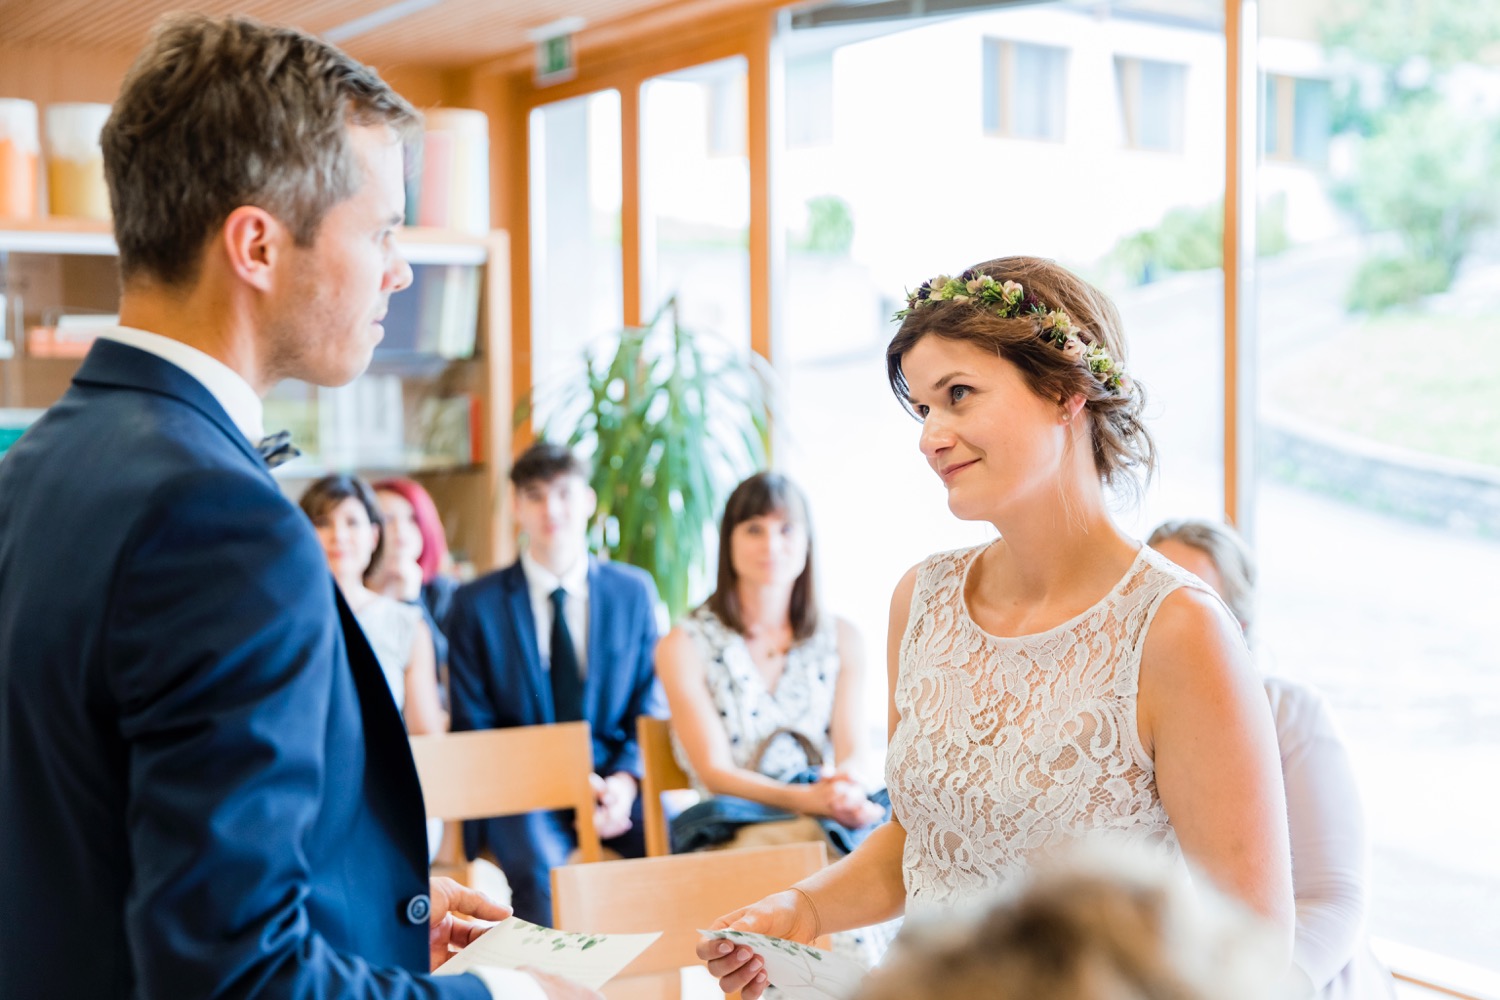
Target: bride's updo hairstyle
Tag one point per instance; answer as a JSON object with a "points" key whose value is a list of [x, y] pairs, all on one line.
{"points": [[1124, 454]]}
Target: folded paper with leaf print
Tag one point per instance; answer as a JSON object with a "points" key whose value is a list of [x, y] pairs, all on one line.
{"points": [[589, 959], [800, 971]]}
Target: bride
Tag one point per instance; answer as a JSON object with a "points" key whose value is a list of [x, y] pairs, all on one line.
{"points": [[1063, 681]]}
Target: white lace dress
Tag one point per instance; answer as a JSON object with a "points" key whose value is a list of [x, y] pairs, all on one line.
{"points": [[1009, 746]]}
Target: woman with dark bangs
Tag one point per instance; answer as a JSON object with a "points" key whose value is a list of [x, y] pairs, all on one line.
{"points": [[765, 689]]}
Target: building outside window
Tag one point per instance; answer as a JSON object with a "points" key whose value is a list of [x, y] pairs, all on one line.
{"points": [[1152, 103], [809, 118], [1025, 90], [1298, 118]]}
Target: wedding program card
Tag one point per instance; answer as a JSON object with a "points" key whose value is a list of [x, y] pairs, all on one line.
{"points": [[800, 971], [589, 959]]}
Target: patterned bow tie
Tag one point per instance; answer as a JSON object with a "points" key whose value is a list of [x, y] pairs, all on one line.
{"points": [[277, 448]]}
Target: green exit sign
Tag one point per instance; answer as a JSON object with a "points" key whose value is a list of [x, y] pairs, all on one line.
{"points": [[556, 57], [556, 53]]}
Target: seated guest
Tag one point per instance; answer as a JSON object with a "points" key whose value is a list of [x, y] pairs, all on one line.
{"points": [[1126, 927], [557, 636], [348, 521], [1330, 852], [764, 688], [414, 565]]}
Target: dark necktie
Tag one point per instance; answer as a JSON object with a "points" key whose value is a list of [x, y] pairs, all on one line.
{"points": [[567, 686], [277, 448]]}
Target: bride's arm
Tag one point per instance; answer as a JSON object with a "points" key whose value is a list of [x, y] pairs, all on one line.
{"points": [[1204, 719]]}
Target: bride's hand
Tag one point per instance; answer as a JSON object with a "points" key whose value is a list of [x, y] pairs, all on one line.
{"points": [[786, 914]]}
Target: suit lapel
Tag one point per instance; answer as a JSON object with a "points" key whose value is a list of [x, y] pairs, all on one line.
{"points": [[112, 363], [518, 607], [601, 621], [387, 750]]}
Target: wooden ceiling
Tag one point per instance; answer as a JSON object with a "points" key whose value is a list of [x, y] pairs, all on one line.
{"points": [[433, 32]]}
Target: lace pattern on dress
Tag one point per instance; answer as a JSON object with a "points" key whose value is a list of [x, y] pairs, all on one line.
{"points": [[1008, 746]]}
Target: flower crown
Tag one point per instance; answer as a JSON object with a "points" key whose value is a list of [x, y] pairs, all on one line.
{"points": [[1007, 300]]}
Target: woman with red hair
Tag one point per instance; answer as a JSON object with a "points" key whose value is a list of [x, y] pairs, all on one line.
{"points": [[415, 566]]}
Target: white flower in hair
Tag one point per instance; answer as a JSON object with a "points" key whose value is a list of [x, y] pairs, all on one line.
{"points": [[1073, 348], [975, 285], [960, 298]]}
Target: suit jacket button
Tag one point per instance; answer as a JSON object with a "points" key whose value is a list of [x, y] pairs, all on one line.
{"points": [[418, 909]]}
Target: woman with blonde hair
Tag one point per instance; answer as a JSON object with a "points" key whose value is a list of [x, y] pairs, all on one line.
{"points": [[1063, 682]]}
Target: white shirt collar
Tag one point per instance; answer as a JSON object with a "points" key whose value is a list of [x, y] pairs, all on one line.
{"points": [[222, 382], [541, 581]]}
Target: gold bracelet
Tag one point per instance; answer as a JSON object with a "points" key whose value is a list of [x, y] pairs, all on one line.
{"points": [[817, 920]]}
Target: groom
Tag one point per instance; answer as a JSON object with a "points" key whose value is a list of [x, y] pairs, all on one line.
{"points": [[205, 788]]}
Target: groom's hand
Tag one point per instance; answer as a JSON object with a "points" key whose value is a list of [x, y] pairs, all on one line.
{"points": [[451, 901]]}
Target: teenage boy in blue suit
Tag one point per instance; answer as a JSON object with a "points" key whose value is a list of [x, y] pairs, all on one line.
{"points": [[554, 637], [205, 785]]}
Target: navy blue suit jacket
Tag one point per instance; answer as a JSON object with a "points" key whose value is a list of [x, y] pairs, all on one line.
{"points": [[495, 666], [203, 778]]}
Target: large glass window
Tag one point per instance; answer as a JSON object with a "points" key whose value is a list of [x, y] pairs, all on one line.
{"points": [[695, 195], [909, 187], [1025, 89], [1378, 495], [1153, 95], [575, 233], [1298, 118]]}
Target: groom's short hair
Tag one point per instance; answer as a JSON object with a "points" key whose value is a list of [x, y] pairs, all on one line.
{"points": [[221, 112]]}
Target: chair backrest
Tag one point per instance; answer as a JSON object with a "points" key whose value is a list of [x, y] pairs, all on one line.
{"points": [[676, 895], [501, 772], [662, 773]]}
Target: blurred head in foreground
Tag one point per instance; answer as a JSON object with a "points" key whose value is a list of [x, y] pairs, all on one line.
{"points": [[1094, 926]]}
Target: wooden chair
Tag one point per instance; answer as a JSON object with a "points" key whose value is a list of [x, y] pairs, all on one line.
{"points": [[501, 772], [676, 895], [661, 773]]}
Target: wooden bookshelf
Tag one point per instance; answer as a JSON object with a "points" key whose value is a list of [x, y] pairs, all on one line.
{"points": [[469, 491]]}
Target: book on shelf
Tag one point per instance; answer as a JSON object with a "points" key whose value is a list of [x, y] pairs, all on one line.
{"points": [[377, 422], [68, 335], [361, 425], [447, 431], [451, 186], [438, 314]]}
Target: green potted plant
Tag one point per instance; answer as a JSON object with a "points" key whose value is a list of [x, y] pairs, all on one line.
{"points": [[672, 421]]}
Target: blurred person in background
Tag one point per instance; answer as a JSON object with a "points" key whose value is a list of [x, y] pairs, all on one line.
{"points": [[765, 692], [349, 523], [557, 636], [414, 565], [764, 686], [1330, 850]]}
